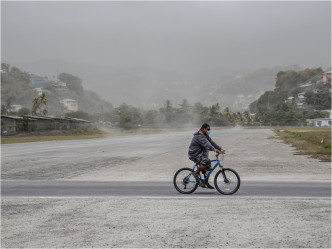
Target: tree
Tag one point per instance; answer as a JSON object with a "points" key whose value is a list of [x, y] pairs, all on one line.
{"points": [[247, 118], [6, 108], [43, 99], [152, 118], [5, 67], [184, 112], [239, 117], [73, 82], [23, 111], [168, 112], [37, 103], [130, 118]]}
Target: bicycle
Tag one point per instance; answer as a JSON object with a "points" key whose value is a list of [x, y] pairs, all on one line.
{"points": [[227, 181]]}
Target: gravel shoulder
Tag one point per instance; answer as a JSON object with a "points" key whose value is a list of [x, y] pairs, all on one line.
{"points": [[161, 223]]}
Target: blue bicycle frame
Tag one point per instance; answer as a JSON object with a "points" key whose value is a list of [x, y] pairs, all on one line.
{"points": [[214, 167]]}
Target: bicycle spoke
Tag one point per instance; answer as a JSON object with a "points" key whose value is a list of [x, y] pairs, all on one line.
{"points": [[184, 181], [227, 182]]}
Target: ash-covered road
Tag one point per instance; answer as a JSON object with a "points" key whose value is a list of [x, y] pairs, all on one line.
{"points": [[158, 189], [118, 192], [156, 157]]}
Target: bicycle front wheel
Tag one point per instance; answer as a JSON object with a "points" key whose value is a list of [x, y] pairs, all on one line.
{"points": [[184, 181], [227, 181]]}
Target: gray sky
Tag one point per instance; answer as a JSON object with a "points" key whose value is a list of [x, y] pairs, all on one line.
{"points": [[169, 35]]}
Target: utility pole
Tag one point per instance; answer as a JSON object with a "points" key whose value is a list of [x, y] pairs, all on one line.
{"points": [[101, 113]]}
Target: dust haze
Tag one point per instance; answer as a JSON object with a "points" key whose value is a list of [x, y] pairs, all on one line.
{"points": [[144, 53]]}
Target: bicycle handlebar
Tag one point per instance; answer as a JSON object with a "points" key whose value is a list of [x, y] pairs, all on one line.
{"points": [[222, 152]]}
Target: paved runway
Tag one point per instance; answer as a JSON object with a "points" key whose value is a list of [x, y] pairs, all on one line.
{"points": [[156, 189]]}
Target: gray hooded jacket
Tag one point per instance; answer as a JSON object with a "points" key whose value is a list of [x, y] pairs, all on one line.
{"points": [[201, 145]]}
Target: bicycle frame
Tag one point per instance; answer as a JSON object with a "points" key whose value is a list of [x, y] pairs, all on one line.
{"points": [[214, 167]]}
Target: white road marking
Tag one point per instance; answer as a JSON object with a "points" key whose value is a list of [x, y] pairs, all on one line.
{"points": [[166, 197]]}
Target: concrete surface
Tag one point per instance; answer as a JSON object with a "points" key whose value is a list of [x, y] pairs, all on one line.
{"points": [[160, 189]]}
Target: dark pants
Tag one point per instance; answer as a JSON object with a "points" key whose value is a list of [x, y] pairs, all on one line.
{"points": [[204, 160]]}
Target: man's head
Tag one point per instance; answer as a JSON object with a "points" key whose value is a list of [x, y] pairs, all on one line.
{"points": [[205, 129]]}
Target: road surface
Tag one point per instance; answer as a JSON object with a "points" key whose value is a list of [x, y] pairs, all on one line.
{"points": [[158, 189]]}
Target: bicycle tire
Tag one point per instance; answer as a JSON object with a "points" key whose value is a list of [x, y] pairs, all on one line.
{"points": [[221, 189], [175, 182]]}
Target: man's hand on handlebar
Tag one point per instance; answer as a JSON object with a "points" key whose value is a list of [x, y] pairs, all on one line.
{"points": [[220, 151]]}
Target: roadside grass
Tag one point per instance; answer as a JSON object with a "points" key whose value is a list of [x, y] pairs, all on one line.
{"points": [[53, 135], [314, 141]]}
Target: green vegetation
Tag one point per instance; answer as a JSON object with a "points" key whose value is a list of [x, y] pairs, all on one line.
{"points": [[186, 114], [284, 106], [313, 141], [53, 135], [288, 80], [16, 88]]}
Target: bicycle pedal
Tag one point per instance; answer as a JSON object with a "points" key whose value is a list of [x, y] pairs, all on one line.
{"points": [[201, 183]]}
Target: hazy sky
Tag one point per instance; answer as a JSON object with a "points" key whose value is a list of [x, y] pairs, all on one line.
{"points": [[171, 35]]}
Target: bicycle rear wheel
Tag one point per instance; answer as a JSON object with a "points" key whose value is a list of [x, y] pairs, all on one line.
{"points": [[227, 181], [184, 181]]}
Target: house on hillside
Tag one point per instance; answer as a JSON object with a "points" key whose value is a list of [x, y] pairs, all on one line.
{"points": [[301, 96], [35, 79], [60, 86], [289, 99], [40, 91], [326, 77], [15, 108], [70, 104]]}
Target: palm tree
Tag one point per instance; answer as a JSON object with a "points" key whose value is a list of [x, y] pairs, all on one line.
{"points": [[43, 99], [45, 112], [228, 114], [37, 102], [35, 105], [239, 117], [8, 105], [247, 117]]}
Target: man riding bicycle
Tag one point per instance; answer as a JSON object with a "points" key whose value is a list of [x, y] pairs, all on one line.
{"points": [[198, 152]]}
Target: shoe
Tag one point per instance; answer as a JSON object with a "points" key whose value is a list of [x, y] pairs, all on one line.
{"points": [[198, 180], [208, 185], [196, 176]]}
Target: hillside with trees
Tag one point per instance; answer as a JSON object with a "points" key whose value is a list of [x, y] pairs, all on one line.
{"points": [[150, 88], [182, 115], [298, 95], [17, 89]]}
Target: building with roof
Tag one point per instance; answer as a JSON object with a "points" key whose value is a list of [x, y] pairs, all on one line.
{"points": [[326, 77], [60, 86], [70, 104], [11, 125], [15, 108], [321, 122], [35, 79]]}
